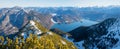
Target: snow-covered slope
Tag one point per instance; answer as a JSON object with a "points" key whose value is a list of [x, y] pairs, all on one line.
{"points": [[29, 28], [104, 35], [114, 32]]}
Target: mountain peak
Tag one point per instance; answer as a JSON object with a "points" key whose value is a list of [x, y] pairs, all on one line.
{"points": [[32, 39], [13, 19], [17, 7]]}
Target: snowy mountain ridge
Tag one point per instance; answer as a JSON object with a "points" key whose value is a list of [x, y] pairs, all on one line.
{"points": [[104, 35], [115, 30]]}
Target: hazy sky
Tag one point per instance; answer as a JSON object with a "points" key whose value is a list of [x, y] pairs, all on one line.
{"points": [[57, 3]]}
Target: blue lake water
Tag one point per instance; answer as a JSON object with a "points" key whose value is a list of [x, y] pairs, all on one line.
{"points": [[68, 27]]}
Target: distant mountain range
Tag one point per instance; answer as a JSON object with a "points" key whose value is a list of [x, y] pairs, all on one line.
{"points": [[91, 13]]}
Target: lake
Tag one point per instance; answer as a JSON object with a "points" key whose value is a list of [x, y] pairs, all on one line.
{"points": [[68, 27]]}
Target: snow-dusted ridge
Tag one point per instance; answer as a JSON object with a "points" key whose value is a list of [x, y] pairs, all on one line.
{"points": [[115, 29], [31, 28]]}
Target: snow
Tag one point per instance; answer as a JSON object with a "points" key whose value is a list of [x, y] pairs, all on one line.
{"points": [[63, 42], [50, 33], [33, 23], [53, 14], [115, 28], [66, 37], [16, 17], [22, 34], [116, 47], [66, 21], [14, 27], [53, 20], [79, 44], [39, 32], [26, 11]]}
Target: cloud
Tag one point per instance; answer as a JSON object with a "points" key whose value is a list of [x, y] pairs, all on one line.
{"points": [[54, 3]]}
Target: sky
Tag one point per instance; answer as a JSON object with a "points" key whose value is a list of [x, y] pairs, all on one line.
{"points": [[57, 3]]}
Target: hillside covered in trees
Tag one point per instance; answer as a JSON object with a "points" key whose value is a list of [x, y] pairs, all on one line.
{"points": [[44, 40]]}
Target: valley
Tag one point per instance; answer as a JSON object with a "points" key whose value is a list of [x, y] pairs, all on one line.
{"points": [[59, 28]]}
